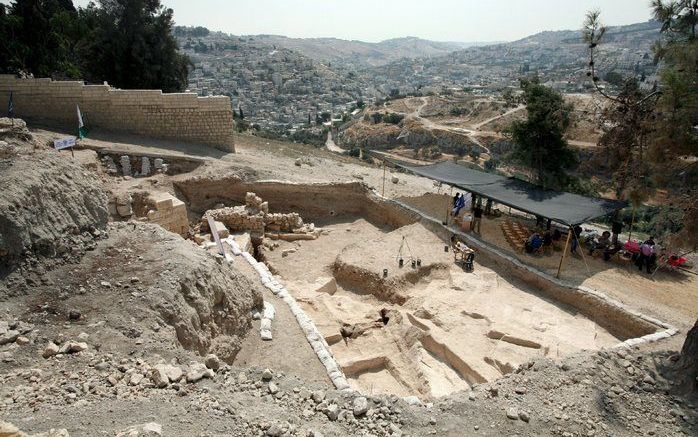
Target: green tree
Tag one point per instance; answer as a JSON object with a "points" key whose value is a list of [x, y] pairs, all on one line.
{"points": [[128, 43], [614, 78], [674, 145], [628, 126], [540, 142], [651, 140], [509, 97], [131, 45], [679, 18], [377, 117], [627, 122], [393, 118], [39, 37]]}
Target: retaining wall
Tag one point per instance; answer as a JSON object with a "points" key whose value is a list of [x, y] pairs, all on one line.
{"points": [[150, 113], [318, 202]]}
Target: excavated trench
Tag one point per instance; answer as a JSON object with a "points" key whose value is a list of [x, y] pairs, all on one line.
{"points": [[426, 330]]}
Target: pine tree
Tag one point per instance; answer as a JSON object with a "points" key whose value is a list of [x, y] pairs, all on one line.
{"points": [[540, 142]]}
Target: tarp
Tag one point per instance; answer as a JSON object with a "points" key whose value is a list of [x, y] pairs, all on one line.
{"points": [[566, 208]]}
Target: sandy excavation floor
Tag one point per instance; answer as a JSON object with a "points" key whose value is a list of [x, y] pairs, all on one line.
{"points": [[447, 328]]}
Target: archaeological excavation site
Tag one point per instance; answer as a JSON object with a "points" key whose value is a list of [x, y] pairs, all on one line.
{"points": [[379, 283], [152, 287]]}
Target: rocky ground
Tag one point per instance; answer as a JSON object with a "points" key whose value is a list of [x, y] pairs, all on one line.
{"points": [[126, 329], [96, 393]]}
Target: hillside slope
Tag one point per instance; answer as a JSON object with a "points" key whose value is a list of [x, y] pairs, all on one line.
{"points": [[360, 53]]}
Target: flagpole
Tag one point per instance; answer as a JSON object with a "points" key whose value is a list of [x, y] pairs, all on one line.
{"points": [[11, 109]]}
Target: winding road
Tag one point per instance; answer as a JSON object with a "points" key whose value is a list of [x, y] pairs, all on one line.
{"points": [[474, 131], [331, 145]]}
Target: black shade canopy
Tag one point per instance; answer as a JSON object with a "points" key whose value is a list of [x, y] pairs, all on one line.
{"points": [[566, 208]]}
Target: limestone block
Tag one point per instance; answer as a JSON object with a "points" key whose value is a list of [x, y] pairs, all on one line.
{"points": [[124, 210], [145, 166], [169, 212], [125, 162], [326, 285], [244, 241], [269, 311]]}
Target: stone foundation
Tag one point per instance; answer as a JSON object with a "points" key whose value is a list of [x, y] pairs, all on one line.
{"points": [[254, 217]]}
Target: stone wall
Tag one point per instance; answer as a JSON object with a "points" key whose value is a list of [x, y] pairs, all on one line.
{"points": [[254, 217], [149, 113], [170, 213]]}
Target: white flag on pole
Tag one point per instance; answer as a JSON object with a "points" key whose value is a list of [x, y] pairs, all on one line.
{"points": [[82, 130]]}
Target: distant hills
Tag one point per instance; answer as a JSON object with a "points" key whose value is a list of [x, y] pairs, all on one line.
{"points": [[280, 81], [631, 36], [364, 54], [562, 46], [556, 56]]}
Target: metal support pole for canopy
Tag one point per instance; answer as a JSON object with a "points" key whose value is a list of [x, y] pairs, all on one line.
{"points": [[564, 252], [632, 222], [448, 206]]}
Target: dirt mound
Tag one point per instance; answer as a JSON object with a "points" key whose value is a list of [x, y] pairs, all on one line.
{"points": [[361, 266], [50, 206], [159, 289], [207, 302], [14, 130]]}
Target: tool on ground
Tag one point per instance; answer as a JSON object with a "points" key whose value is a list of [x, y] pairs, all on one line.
{"points": [[400, 255]]}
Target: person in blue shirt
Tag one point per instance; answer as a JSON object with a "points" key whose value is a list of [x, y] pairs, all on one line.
{"points": [[460, 203], [534, 242]]}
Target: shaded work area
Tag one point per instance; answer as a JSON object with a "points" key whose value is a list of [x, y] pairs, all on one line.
{"points": [[567, 209]]}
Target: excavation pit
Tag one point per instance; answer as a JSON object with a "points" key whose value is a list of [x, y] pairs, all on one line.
{"points": [[447, 328]]}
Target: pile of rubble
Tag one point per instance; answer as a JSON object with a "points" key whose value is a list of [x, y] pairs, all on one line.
{"points": [[254, 217]]}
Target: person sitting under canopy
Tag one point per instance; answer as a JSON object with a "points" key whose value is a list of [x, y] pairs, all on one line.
{"points": [[534, 243]]}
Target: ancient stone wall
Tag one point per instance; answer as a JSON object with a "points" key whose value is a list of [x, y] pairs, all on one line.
{"points": [[170, 213], [319, 203], [149, 113], [254, 217]]}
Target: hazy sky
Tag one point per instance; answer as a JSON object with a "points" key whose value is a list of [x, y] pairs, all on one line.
{"points": [[376, 20]]}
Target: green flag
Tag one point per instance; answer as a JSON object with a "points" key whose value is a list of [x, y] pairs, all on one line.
{"points": [[82, 130]]}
